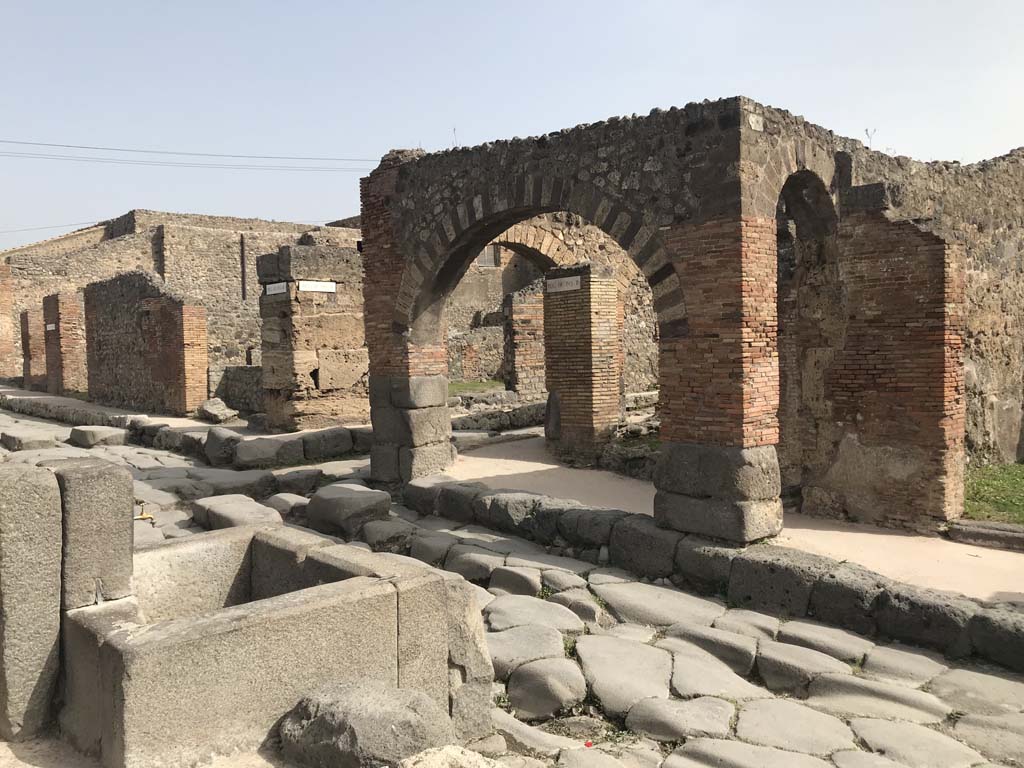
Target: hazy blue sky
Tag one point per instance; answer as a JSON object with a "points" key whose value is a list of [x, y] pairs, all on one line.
{"points": [[937, 79]]}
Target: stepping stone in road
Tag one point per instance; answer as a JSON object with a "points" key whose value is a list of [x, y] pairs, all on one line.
{"points": [[657, 606], [622, 672], [914, 745], [787, 725], [520, 645], [674, 720], [510, 611], [711, 753]]}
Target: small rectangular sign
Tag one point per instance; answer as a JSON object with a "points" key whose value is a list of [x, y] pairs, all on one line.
{"points": [[562, 284], [51, 326], [274, 288], [318, 286]]}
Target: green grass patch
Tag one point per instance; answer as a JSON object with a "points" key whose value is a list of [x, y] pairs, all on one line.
{"points": [[456, 388], [995, 493]]}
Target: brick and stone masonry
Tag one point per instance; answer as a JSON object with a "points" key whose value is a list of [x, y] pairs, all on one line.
{"points": [[33, 348], [693, 196], [146, 345], [64, 318], [583, 357], [314, 354], [524, 340]]}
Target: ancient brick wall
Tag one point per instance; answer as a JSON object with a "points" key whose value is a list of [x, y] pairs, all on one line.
{"points": [[10, 327], [315, 367], [524, 341], [147, 346], [33, 349], [583, 356], [64, 319]]}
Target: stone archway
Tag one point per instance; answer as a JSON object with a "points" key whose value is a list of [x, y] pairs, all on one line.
{"points": [[667, 189]]}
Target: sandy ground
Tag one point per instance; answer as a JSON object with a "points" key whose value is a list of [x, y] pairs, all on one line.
{"points": [[55, 754], [928, 561]]}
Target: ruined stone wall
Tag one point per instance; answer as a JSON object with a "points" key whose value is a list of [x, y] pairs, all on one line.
{"points": [[524, 341], [33, 348], [64, 318], [147, 346]]}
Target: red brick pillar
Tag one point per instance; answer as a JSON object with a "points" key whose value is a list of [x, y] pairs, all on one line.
{"points": [[66, 368], [719, 473], [191, 340], [33, 349], [408, 375], [582, 358], [10, 364], [524, 342]]}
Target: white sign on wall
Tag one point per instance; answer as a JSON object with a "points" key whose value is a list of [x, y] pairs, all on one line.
{"points": [[274, 288], [51, 326], [318, 286], [563, 284]]}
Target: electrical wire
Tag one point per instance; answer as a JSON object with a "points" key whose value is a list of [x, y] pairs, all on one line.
{"points": [[172, 164], [192, 154]]}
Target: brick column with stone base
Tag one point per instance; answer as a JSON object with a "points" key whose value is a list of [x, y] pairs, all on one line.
{"points": [[718, 474], [582, 358], [66, 367], [411, 427]]}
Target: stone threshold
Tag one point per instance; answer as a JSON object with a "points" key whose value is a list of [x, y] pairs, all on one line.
{"points": [[984, 533]]}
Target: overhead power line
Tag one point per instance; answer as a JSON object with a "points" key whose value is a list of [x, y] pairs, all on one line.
{"points": [[172, 164], [52, 226], [192, 154]]}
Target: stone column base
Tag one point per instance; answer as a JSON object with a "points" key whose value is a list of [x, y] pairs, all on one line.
{"points": [[411, 427], [719, 491]]}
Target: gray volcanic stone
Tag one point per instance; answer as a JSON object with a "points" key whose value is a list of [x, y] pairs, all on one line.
{"points": [[449, 757], [695, 672], [760, 626], [926, 617], [542, 525], [1000, 737], [529, 642], [288, 504], [857, 759], [525, 738], [30, 600], [901, 665], [215, 411], [421, 494], [787, 725], [345, 508], [587, 758], [516, 581], [776, 579], [233, 510], [583, 604], [510, 611], [656, 605], [87, 437], [857, 697], [979, 693], [326, 443], [719, 472], [846, 596], [640, 546], [737, 651], [588, 526], [838, 643], [473, 563], [23, 438], [719, 753], [455, 500], [622, 672], [789, 668], [392, 535], [431, 546], [674, 720], [363, 725], [998, 634], [704, 565], [504, 510], [914, 745], [256, 452], [258, 483], [539, 690], [557, 581], [98, 503], [220, 445]]}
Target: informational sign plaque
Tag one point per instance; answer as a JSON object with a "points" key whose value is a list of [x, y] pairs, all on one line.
{"points": [[51, 326], [563, 284], [273, 288], [318, 286]]}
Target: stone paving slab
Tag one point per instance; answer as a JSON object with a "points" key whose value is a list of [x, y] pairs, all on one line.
{"points": [[853, 696], [914, 745], [696, 672], [511, 611], [519, 645], [672, 720], [787, 725], [718, 753], [656, 605], [622, 672]]}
